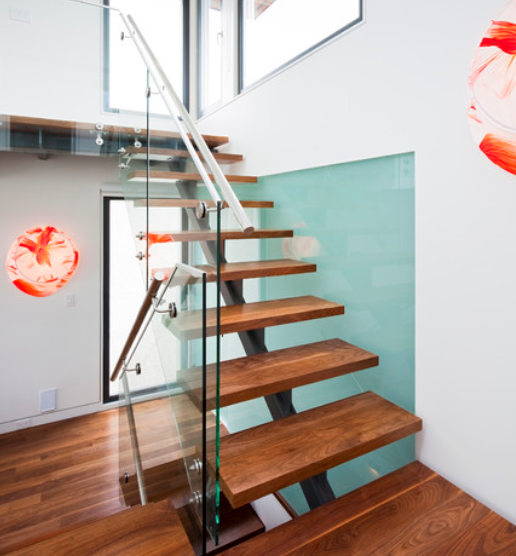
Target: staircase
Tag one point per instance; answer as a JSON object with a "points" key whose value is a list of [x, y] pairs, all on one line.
{"points": [[412, 511], [293, 447]]}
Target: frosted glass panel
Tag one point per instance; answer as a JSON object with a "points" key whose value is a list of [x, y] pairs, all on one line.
{"points": [[356, 222]]}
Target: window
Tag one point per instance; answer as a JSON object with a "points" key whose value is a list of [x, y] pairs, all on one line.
{"points": [[122, 298], [274, 33], [210, 53], [164, 24]]}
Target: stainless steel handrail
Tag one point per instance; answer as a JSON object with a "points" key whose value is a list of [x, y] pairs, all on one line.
{"points": [[176, 109]]}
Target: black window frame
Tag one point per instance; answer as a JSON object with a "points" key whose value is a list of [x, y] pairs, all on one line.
{"points": [[240, 48], [106, 321]]}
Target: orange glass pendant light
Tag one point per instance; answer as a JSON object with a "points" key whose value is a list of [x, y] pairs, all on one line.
{"points": [[41, 261], [492, 91]]}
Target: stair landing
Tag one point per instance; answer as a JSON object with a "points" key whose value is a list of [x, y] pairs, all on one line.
{"points": [[411, 512]]}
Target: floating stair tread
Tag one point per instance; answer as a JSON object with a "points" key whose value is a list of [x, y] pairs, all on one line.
{"points": [[264, 459], [260, 375], [157, 176], [253, 269], [412, 511], [192, 203], [225, 235], [169, 154], [250, 316], [153, 530]]}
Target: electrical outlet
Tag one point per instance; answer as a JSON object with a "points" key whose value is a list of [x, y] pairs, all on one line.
{"points": [[48, 400], [70, 300], [23, 424], [21, 14]]}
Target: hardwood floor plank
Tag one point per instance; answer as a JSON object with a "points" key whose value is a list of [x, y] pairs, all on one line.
{"points": [[67, 474], [153, 530], [493, 536]]}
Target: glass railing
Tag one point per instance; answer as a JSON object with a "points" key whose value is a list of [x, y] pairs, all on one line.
{"points": [[169, 441], [161, 192]]}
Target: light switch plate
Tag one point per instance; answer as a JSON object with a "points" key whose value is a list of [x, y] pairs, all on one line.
{"points": [[21, 14]]}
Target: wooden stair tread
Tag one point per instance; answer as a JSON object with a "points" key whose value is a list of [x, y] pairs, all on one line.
{"points": [[158, 176], [260, 375], [411, 511], [250, 316], [251, 269], [224, 235], [169, 154], [261, 460], [192, 203], [153, 530]]}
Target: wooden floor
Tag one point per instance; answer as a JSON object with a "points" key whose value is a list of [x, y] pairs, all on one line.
{"points": [[152, 530], [66, 473], [60, 476]]}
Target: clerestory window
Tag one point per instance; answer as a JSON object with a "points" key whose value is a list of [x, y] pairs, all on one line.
{"points": [[275, 33]]}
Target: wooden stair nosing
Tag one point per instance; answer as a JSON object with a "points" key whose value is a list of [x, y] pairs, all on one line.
{"points": [[158, 176], [248, 270], [250, 316], [225, 235], [267, 458], [192, 203], [166, 154], [264, 374]]}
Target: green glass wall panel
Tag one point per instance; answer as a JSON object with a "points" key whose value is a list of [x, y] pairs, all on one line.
{"points": [[356, 222]]}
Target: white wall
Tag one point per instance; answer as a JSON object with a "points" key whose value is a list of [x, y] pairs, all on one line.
{"points": [[44, 344], [50, 67], [399, 83]]}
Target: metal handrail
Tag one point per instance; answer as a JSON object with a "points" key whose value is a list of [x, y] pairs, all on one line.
{"points": [[138, 321], [143, 319], [176, 109]]}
